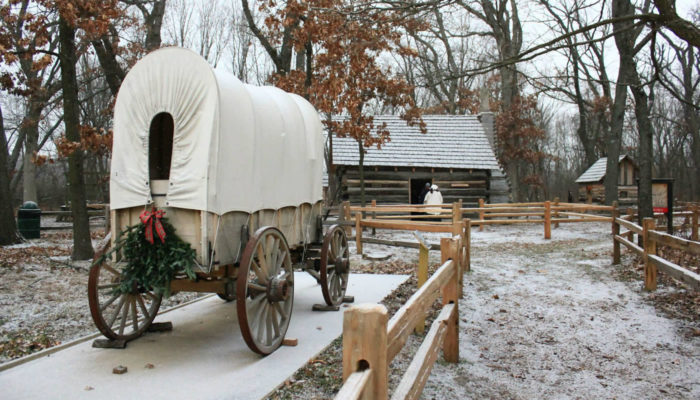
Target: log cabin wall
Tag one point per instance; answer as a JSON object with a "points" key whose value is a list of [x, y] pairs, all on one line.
{"points": [[392, 185], [595, 193]]}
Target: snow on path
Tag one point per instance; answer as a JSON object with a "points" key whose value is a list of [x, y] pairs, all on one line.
{"points": [[546, 319]]}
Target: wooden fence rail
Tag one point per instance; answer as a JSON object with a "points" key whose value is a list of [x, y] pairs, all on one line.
{"points": [[652, 262], [371, 340], [446, 218]]}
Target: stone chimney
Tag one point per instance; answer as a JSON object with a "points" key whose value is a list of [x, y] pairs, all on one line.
{"points": [[487, 121], [486, 117]]}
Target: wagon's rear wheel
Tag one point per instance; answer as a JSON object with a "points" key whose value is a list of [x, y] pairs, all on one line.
{"points": [[265, 290], [335, 265], [119, 316]]}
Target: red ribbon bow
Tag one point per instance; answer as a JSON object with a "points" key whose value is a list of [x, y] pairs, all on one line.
{"points": [[149, 218]]}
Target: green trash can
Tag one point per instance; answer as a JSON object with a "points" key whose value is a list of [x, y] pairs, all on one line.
{"points": [[29, 220]]}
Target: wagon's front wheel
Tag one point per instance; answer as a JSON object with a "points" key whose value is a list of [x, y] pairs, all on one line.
{"points": [[119, 316], [335, 265], [265, 290]]}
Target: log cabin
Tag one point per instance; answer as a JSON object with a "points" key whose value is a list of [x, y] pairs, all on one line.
{"points": [[591, 183], [456, 154]]}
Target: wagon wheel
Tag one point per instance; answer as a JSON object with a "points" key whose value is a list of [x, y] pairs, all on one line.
{"points": [[119, 316], [265, 290], [335, 265]]}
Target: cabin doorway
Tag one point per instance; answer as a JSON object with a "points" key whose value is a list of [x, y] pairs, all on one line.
{"points": [[160, 146], [417, 186]]}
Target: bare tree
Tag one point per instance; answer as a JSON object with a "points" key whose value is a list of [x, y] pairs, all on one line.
{"points": [[625, 39], [443, 50], [680, 76], [503, 20], [282, 55]]}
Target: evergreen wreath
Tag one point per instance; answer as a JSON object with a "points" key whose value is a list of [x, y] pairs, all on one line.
{"points": [[150, 263]]}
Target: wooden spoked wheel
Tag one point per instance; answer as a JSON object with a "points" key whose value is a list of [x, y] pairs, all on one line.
{"points": [[335, 265], [119, 316], [265, 290]]}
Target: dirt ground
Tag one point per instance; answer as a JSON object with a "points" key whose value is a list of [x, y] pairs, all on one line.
{"points": [[539, 319], [544, 319]]}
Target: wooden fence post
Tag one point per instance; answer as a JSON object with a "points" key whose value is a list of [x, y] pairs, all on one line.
{"points": [[556, 212], [345, 212], [547, 220], [649, 248], [422, 275], [615, 232], [457, 218], [630, 217], [467, 235], [374, 216], [449, 249], [694, 228], [358, 232], [365, 346], [481, 214]]}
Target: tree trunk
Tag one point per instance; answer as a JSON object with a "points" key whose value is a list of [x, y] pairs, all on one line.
{"points": [[617, 120], [625, 37], [114, 74], [583, 130], [646, 152], [82, 245], [154, 21], [30, 124], [8, 228], [692, 121]]}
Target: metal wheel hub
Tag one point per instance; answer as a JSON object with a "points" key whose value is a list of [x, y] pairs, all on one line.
{"points": [[277, 290]]}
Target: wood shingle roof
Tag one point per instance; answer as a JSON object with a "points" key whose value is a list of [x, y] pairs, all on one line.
{"points": [[596, 172], [452, 141]]}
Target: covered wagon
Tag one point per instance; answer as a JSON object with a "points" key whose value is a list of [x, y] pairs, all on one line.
{"points": [[237, 170]]}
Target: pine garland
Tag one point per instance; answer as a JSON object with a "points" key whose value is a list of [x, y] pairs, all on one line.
{"points": [[151, 266]]}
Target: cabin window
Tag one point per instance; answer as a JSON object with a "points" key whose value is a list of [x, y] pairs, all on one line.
{"points": [[160, 146]]}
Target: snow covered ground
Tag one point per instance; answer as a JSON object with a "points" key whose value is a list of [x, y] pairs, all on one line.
{"points": [[548, 319], [539, 318]]}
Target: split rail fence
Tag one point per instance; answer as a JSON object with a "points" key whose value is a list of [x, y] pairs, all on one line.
{"points": [[447, 217], [651, 236], [371, 340]]}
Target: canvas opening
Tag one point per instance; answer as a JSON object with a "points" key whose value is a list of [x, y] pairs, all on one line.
{"points": [[160, 146]]}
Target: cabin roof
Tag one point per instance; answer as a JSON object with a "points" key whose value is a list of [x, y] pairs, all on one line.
{"points": [[452, 141], [596, 172]]}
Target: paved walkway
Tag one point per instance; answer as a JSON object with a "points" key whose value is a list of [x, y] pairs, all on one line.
{"points": [[204, 357]]}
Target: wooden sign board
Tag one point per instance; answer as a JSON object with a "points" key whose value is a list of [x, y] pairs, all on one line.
{"points": [[659, 197], [662, 199]]}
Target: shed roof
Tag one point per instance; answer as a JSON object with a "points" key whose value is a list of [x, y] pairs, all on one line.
{"points": [[596, 172], [452, 141]]}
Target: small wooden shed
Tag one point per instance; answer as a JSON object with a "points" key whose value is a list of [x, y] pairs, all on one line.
{"points": [[591, 186], [456, 154]]}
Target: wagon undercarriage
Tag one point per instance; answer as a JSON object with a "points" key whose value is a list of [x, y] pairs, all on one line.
{"points": [[262, 283]]}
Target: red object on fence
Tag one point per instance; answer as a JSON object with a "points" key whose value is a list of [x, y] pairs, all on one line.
{"points": [[150, 218], [660, 209]]}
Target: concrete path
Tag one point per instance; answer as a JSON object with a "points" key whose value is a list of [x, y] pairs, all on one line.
{"points": [[204, 357]]}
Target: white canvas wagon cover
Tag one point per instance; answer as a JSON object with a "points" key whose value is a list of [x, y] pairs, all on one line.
{"points": [[236, 147]]}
